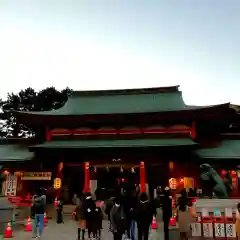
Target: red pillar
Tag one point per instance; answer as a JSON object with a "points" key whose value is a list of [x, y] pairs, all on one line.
{"points": [[48, 134], [87, 177], [142, 177], [193, 131]]}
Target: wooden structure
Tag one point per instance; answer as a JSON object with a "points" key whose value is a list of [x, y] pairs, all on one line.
{"points": [[148, 128]]}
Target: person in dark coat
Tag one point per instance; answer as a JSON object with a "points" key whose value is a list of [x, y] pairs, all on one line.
{"points": [[144, 216], [60, 211], [129, 206], [109, 204], [118, 220], [183, 199], [89, 207], [167, 211], [80, 217], [98, 219]]}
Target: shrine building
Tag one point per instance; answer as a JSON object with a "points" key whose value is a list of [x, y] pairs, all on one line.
{"points": [[108, 138]]}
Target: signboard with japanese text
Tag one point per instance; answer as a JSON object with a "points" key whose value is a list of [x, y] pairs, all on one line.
{"points": [[207, 230], [196, 229], [219, 230], [10, 185], [230, 230], [36, 176]]}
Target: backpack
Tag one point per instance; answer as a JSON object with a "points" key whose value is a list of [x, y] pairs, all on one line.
{"points": [[39, 203]]}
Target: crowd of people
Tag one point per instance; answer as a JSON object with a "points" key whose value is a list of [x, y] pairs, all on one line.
{"points": [[124, 212]]}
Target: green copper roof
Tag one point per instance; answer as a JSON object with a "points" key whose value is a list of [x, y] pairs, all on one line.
{"points": [[117, 143], [129, 101], [120, 102], [13, 152], [227, 149]]}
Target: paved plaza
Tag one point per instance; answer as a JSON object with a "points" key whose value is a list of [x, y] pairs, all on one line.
{"points": [[68, 230]]}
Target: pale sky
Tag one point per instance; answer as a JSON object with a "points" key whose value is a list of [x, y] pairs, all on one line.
{"points": [[111, 44]]}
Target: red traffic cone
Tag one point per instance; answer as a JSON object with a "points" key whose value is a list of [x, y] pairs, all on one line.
{"points": [[8, 231], [28, 227], [154, 223], [45, 219], [172, 222]]}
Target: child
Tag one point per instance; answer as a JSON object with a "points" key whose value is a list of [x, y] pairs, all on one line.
{"points": [[237, 224]]}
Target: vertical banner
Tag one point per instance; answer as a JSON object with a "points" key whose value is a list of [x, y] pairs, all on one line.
{"points": [[87, 177], [142, 177]]}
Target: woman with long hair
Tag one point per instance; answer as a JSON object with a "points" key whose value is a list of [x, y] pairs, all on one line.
{"points": [[184, 220]]}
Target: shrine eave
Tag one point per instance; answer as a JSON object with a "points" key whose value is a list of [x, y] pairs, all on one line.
{"points": [[227, 149], [190, 112], [14, 152], [136, 143]]}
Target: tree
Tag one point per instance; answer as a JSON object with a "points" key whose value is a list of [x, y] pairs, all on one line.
{"points": [[29, 100]]}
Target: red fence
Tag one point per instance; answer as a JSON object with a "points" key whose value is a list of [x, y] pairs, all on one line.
{"points": [[24, 201]]}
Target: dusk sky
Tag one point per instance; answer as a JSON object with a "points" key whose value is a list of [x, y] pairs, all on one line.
{"points": [[112, 44]]}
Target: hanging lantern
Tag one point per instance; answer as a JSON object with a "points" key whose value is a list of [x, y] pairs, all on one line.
{"points": [[171, 165], [188, 182], [121, 169], [173, 183], [94, 169], [6, 172], [57, 183], [133, 170], [223, 172]]}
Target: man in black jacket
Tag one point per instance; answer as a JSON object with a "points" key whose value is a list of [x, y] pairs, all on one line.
{"points": [[39, 205], [167, 211], [144, 215], [129, 205]]}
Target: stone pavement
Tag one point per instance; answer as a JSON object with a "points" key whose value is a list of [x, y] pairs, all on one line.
{"points": [[68, 230]]}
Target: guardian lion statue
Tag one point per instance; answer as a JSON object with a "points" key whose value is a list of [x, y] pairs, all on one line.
{"points": [[212, 183]]}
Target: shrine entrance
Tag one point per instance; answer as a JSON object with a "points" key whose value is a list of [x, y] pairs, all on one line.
{"points": [[73, 181], [112, 179]]}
